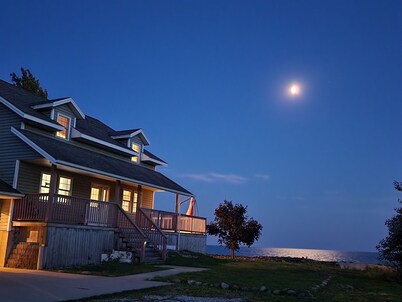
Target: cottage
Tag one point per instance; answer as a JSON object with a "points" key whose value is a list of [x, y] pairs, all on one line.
{"points": [[72, 188]]}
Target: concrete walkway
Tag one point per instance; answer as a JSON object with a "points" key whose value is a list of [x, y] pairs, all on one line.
{"points": [[19, 285]]}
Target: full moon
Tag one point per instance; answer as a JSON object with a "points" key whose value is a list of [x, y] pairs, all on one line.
{"points": [[294, 89]]}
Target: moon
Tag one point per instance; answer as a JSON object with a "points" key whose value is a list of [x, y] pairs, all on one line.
{"points": [[294, 89]]}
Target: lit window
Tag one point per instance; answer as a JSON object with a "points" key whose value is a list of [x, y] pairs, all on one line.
{"points": [[45, 183], [64, 186], [65, 122], [99, 192], [129, 201], [126, 200], [136, 147]]}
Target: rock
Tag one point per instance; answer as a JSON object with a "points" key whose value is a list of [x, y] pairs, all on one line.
{"points": [[198, 283], [276, 292], [235, 287], [190, 282], [291, 292], [301, 295], [224, 285], [263, 288]]}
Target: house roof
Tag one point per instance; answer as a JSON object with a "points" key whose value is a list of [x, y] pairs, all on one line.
{"points": [[28, 105], [153, 158], [7, 190], [21, 101], [62, 153], [121, 134], [61, 101], [95, 128]]}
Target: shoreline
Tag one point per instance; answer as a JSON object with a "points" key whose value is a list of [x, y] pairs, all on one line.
{"points": [[341, 264]]}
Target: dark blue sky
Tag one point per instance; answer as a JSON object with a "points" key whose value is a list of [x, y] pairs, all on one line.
{"points": [[206, 81]]}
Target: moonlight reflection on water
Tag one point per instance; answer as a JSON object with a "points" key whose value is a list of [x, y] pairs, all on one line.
{"points": [[320, 255]]}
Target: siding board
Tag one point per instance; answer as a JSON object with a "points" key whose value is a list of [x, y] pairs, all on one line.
{"points": [[11, 147]]}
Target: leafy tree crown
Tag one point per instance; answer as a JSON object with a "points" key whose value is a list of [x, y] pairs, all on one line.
{"points": [[390, 248], [233, 227]]}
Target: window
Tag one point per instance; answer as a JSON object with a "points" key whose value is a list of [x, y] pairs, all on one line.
{"points": [[65, 122], [99, 192], [45, 183], [137, 148], [129, 201], [64, 186]]}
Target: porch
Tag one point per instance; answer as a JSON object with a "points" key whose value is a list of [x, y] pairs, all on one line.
{"points": [[75, 219], [79, 211]]}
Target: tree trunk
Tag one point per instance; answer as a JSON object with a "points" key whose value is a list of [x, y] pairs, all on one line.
{"points": [[232, 249]]}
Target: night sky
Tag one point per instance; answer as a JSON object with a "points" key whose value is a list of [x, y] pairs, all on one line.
{"points": [[207, 82]]}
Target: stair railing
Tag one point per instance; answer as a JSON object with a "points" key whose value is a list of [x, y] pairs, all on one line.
{"points": [[153, 233], [131, 232]]}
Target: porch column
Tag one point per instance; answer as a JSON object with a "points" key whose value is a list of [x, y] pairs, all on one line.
{"points": [[117, 193], [52, 191], [177, 221], [139, 197]]}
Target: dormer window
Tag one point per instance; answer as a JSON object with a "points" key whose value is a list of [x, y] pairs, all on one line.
{"points": [[137, 148], [65, 121]]}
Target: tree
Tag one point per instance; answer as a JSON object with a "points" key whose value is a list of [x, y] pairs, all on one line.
{"points": [[233, 227], [390, 248], [28, 82]]}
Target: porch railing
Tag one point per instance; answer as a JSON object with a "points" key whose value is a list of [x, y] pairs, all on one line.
{"points": [[78, 211], [152, 232], [174, 222], [65, 209]]}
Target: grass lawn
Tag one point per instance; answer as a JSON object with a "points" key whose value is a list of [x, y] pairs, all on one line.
{"points": [[112, 269], [246, 276]]}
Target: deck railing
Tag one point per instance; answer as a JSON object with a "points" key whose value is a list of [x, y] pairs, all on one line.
{"points": [[78, 211], [174, 222], [65, 209], [152, 232]]}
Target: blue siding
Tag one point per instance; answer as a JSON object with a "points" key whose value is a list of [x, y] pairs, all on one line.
{"points": [[11, 147]]}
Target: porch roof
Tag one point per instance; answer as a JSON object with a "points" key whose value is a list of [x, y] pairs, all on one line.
{"points": [[8, 191], [66, 154]]}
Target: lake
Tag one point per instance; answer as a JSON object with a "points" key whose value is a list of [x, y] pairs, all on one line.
{"points": [[320, 255]]}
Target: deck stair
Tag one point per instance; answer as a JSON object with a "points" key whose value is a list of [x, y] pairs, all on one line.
{"points": [[24, 255], [152, 256]]}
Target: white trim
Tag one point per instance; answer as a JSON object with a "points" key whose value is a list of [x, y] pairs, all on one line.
{"points": [[9, 195], [22, 125], [59, 103], [145, 157], [78, 134], [27, 116], [16, 173], [32, 145], [71, 165], [52, 114], [10, 218], [131, 135]]}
